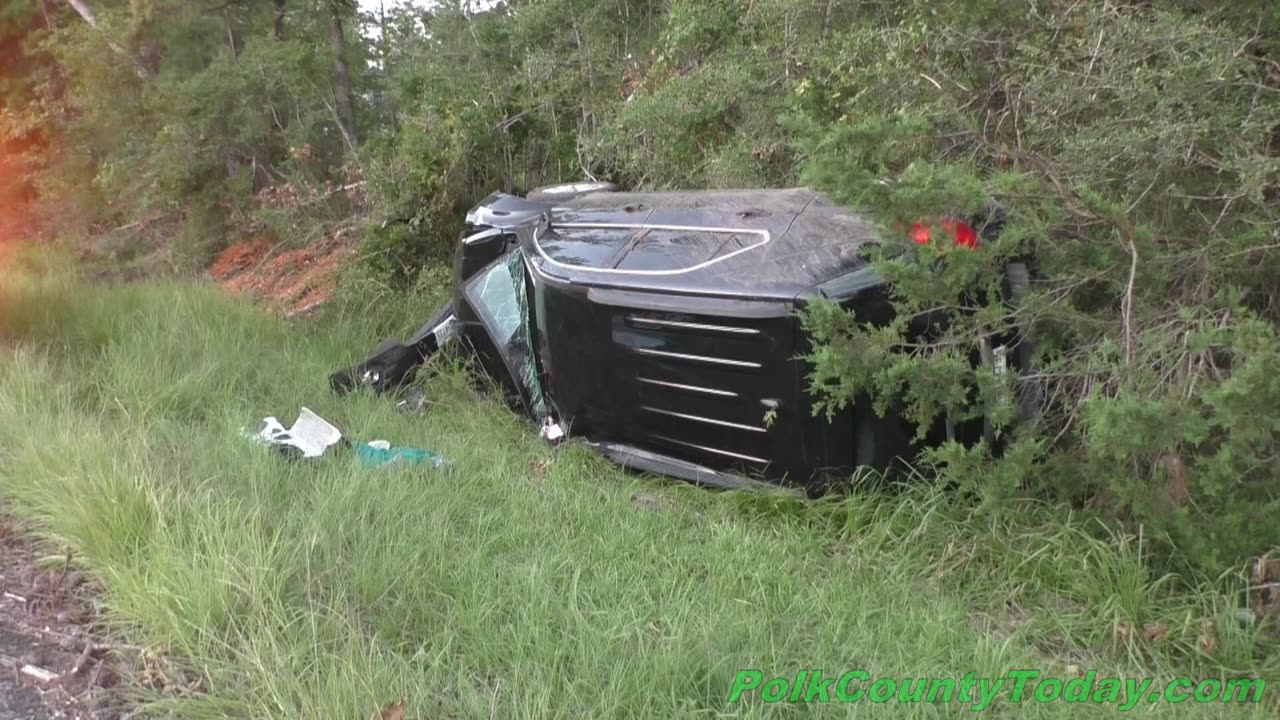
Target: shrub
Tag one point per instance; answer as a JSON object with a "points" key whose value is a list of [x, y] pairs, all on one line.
{"points": [[1129, 146]]}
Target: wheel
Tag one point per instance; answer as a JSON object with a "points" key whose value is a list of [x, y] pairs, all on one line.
{"points": [[879, 441]]}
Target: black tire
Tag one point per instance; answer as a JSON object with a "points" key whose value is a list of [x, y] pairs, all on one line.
{"points": [[864, 435], [1018, 279], [879, 442]]}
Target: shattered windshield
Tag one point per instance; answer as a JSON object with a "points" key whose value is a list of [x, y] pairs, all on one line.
{"points": [[499, 294]]}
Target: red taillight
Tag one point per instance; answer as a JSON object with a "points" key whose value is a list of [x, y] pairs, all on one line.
{"points": [[965, 235], [962, 232]]}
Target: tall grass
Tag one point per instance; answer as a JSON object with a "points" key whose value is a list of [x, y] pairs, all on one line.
{"points": [[519, 581]]}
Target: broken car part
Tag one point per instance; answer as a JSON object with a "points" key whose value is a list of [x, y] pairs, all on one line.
{"points": [[414, 400], [393, 364]]}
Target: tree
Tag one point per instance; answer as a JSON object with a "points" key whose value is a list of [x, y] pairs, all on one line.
{"points": [[344, 100], [19, 138], [84, 11], [231, 101], [277, 19]]}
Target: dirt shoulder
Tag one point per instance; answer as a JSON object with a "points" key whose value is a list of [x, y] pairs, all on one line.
{"points": [[17, 701], [55, 659]]}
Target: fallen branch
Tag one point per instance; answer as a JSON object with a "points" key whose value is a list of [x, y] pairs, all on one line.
{"points": [[1126, 302], [335, 191], [31, 671], [82, 662], [139, 223], [39, 673]]}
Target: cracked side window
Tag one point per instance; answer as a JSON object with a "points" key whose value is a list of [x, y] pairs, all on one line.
{"points": [[498, 293]]}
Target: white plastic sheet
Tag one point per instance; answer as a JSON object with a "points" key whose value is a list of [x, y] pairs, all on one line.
{"points": [[311, 434]]}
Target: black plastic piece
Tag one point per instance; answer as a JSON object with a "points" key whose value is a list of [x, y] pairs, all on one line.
{"points": [[393, 365]]}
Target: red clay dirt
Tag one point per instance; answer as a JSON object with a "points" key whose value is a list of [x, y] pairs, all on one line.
{"points": [[290, 281]]}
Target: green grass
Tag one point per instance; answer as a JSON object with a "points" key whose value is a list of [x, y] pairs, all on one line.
{"points": [[520, 581]]}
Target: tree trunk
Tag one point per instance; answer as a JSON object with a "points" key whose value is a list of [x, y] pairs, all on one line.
{"points": [[384, 49], [346, 108], [277, 20]]}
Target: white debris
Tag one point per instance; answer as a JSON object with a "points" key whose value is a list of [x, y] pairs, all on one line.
{"points": [[310, 434], [39, 673], [552, 431], [1001, 354]]}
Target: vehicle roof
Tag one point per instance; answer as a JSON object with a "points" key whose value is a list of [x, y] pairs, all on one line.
{"points": [[764, 243]]}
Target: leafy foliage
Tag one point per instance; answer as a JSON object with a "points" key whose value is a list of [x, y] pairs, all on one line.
{"points": [[1132, 148], [182, 111]]}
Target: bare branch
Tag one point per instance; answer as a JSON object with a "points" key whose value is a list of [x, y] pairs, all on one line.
{"points": [[86, 13]]}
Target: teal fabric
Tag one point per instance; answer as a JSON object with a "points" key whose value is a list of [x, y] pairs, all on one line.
{"points": [[376, 457]]}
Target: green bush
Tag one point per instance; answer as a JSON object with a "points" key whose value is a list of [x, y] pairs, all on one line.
{"points": [[1129, 146]]}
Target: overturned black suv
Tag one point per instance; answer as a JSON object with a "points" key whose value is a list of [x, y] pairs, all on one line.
{"points": [[661, 328]]}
